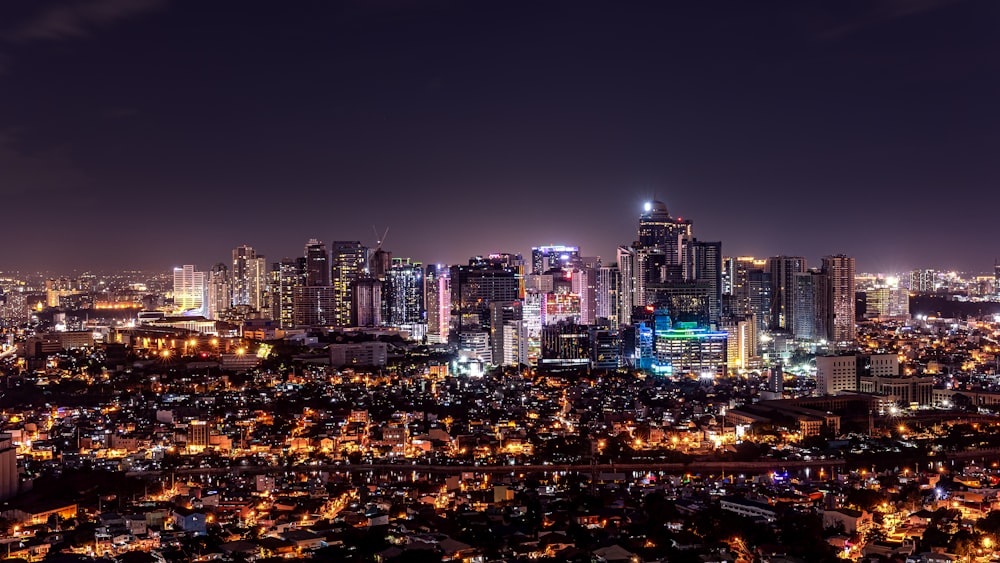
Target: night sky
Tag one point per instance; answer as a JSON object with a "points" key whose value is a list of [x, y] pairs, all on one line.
{"points": [[154, 133]]}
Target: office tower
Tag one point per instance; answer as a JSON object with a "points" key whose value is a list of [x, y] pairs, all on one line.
{"points": [[607, 300], [545, 258], [565, 347], [482, 281], [841, 329], [625, 259], [249, 279], [759, 298], [317, 266], [506, 330], [810, 306], [741, 341], [533, 312], [686, 348], [583, 283], [313, 306], [657, 229], [783, 270], [189, 290], [404, 291], [285, 277], [702, 264], [348, 262], [8, 468], [366, 304], [437, 292], [887, 300], [220, 291]]}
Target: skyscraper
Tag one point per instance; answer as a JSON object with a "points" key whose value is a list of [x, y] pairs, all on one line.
{"points": [[348, 262], [366, 305], [317, 267], [482, 281], [220, 291], [545, 258], [608, 295], [189, 290], [249, 278], [404, 290], [703, 265], [313, 305], [657, 228], [783, 270], [625, 259], [285, 277], [839, 270], [437, 298]]}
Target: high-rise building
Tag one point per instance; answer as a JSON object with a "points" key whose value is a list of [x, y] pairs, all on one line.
{"points": [[506, 331], [841, 326], [923, 281], [702, 263], [313, 305], [348, 262], [887, 300], [741, 341], [366, 305], [189, 290], [285, 277], [220, 291], [404, 291], [583, 282], [625, 259], [658, 229], [607, 300], [317, 264], [783, 270], [473, 287], [545, 258], [810, 306], [249, 279], [13, 307], [437, 298]]}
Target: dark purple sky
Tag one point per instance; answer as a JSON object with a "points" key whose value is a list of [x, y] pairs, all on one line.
{"points": [[151, 133]]}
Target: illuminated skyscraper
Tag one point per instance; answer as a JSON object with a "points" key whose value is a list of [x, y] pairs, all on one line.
{"points": [[783, 270], [545, 258], [220, 291], [608, 298], [626, 284], [404, 290], [703, 265], [348, 262], [285, 277], [657, 228], [317, 266], [189, 290], [437, 292], [484, 280], [249, 278], [839, 270]]}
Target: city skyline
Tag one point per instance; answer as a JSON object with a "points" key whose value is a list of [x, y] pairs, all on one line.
{"points": [[803, 130]]}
